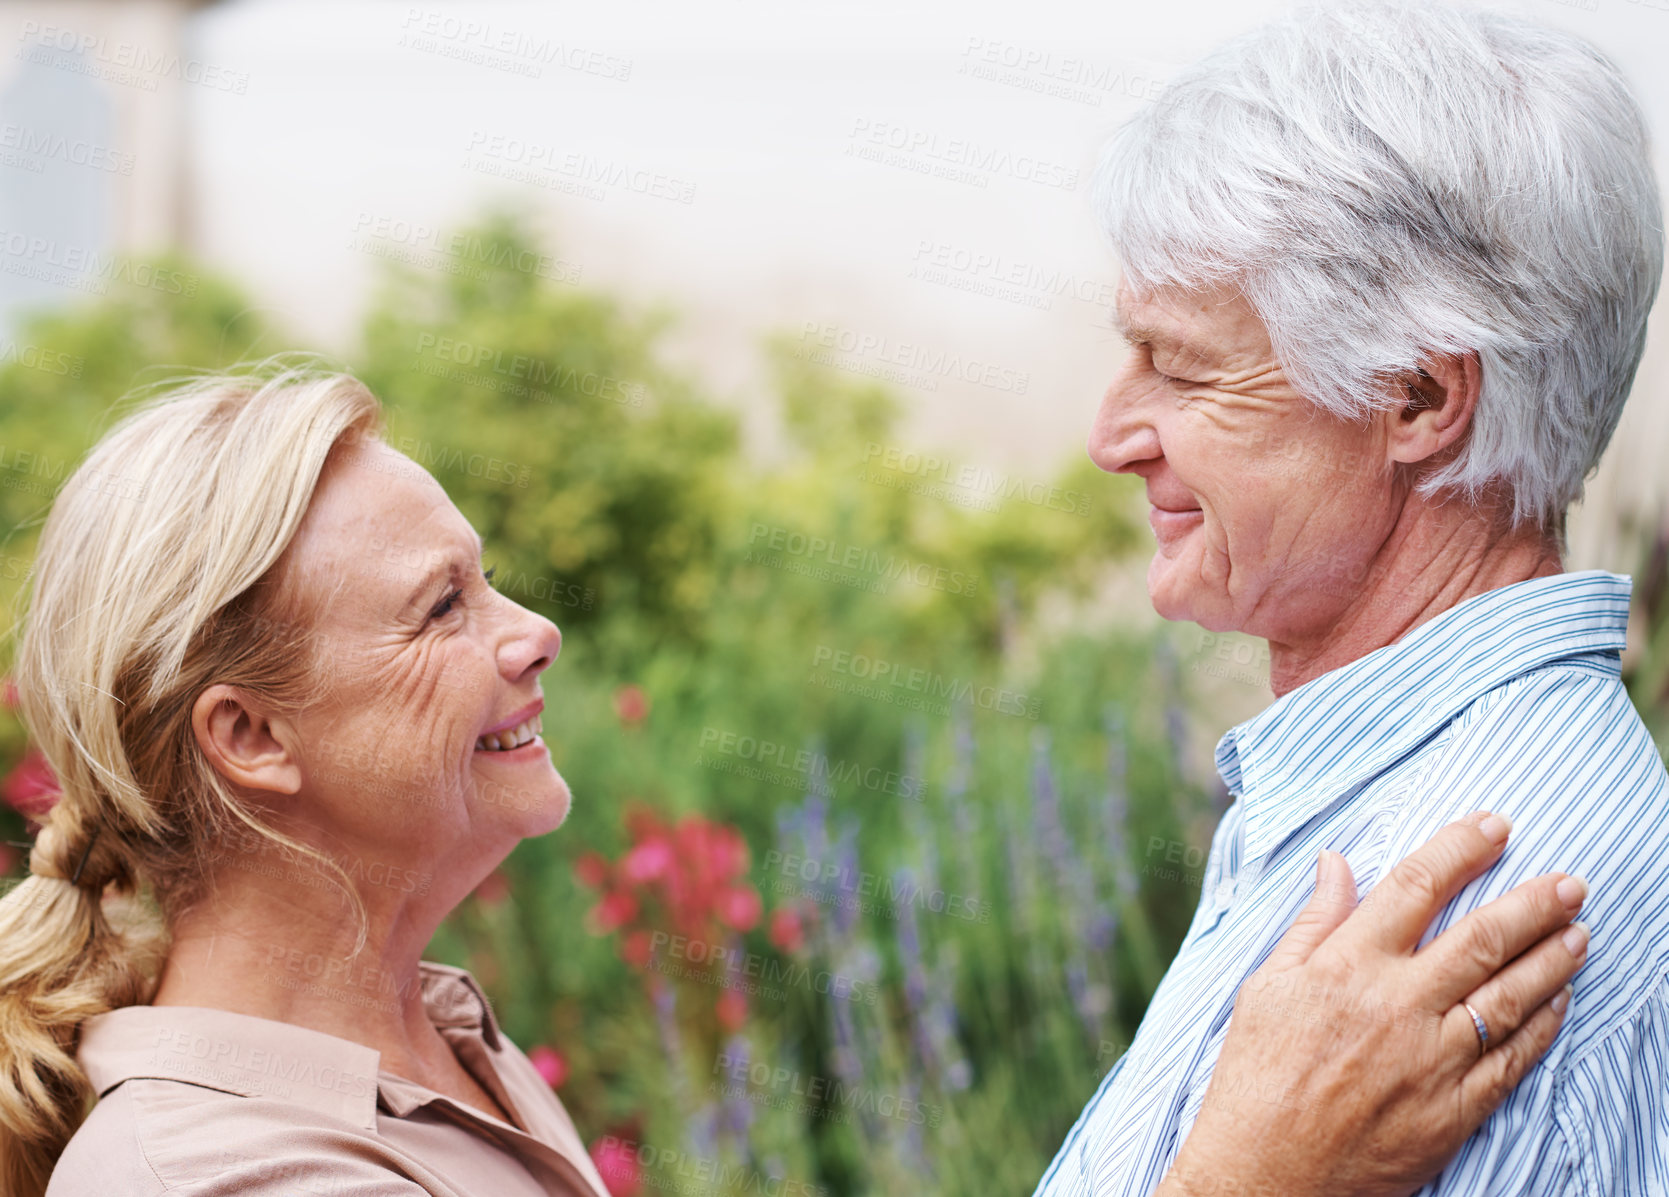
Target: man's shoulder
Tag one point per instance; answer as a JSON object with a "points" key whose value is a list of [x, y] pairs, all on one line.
{"points": [[1584, 688], [1559, 743], [1562, 753]]}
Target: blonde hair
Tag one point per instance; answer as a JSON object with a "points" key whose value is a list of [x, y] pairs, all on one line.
{"points": [[154, 579]]}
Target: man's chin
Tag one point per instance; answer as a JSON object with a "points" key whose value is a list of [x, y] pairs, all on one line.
{"points": [[1167, 591], [1177, 594]]}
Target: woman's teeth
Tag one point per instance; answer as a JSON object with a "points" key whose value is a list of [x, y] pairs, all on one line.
{"points": [[514, 738]]}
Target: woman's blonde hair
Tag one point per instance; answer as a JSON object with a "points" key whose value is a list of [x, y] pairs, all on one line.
{"points": [[154, 579]]}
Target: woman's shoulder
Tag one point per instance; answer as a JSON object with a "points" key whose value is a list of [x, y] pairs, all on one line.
{"points": [[149, 1137], [105, 1155]]}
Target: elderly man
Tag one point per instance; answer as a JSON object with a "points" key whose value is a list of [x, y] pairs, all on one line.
{"points": [[1386, 272]]}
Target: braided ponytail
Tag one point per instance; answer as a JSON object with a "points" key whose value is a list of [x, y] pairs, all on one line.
{"points": [[154, 578]]}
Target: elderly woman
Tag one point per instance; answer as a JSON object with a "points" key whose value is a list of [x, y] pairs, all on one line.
{"points": [[1386, 271], [192, 665]]}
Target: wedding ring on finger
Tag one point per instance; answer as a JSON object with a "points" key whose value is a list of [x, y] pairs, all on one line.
{"points": [[1479, 1025]]}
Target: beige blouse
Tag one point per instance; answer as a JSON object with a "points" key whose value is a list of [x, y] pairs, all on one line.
{"points": [[208, 1102]]}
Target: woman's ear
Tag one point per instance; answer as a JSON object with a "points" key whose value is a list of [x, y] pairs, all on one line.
{"points": [[1436, 409], [240, 742]]}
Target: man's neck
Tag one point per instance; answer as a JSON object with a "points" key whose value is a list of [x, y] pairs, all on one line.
{"points": [[1436, 557]]}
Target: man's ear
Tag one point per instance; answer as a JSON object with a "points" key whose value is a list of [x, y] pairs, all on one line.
{"points": [[1436, 408], [239, 739]]}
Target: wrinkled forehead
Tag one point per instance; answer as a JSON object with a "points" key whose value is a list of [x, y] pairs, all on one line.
{"points": [[1186, 319], [378, 523]]}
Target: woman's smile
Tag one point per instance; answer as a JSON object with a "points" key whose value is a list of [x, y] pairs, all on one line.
{"points": [[521, 744], [515, 733]]}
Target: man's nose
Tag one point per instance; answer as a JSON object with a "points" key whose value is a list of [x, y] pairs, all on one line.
{"points": [[1124, 433]]}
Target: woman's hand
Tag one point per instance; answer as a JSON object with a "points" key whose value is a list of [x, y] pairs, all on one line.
{"points": [[1351, 1068]]}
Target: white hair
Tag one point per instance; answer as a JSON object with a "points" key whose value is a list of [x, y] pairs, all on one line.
{"points": [[1389, 181]]}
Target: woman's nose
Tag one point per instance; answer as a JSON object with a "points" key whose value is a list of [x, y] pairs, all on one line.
{"points": [[532, 646]]}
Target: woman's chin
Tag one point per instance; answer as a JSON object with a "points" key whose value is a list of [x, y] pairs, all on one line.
{"points": [[534, 805], [552, 812], [556, 814]]}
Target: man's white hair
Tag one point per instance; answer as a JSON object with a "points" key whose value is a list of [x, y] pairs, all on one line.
{"points": [[1389, 181]]}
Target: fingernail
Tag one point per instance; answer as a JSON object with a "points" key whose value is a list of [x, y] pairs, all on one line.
{"points": [[1560, 1000], [1576, 938], [1571, 891], [1495, 829]]}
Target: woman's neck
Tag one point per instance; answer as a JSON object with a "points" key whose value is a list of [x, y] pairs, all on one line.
{"points": [[286, 952]]}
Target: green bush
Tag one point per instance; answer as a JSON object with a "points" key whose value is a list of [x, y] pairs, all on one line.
{"points": [[614, 498]]}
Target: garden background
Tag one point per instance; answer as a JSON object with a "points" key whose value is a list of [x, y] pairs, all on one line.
{"points": [[793, 926], [891, 794], [881, 838]]}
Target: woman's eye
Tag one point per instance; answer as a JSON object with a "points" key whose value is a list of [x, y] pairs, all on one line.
{"points": [[456, 595], [445, 605]]}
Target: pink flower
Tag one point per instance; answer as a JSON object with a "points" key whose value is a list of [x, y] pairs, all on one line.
{"points": [[591, 870], [641, 822], [614, 911], [631, 704], [787, 932], [617, 1164], [740, 907], [646, 862], [732, 1009], [637, 948], [30, 788], [8, 694], [727, 851], [549, 1064]]}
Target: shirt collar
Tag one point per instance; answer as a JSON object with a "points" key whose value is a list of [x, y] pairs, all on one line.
{"points": [[262, 1057], [1313, 745], [453, 999]]}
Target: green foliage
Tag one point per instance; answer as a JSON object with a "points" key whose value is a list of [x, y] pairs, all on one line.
{"points": [[612, 478], [1647, 669], [613, 498]]}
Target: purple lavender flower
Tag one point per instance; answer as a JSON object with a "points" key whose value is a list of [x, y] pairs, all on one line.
{"points": [[1074, 885], [848, 1065], [915, 973], [1115, 810], [956, 1073], [1176, 717], [737, 1115], [914, 1148], [845, 887], [964, 814], [699, 1128], [1046, 810], [922, 840]]}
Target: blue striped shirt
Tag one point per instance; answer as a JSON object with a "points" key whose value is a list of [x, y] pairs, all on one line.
{"points": [[1510, 701]]}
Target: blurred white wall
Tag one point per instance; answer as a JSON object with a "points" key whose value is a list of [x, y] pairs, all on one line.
{"points": [[738, 160], [93, 144]]}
